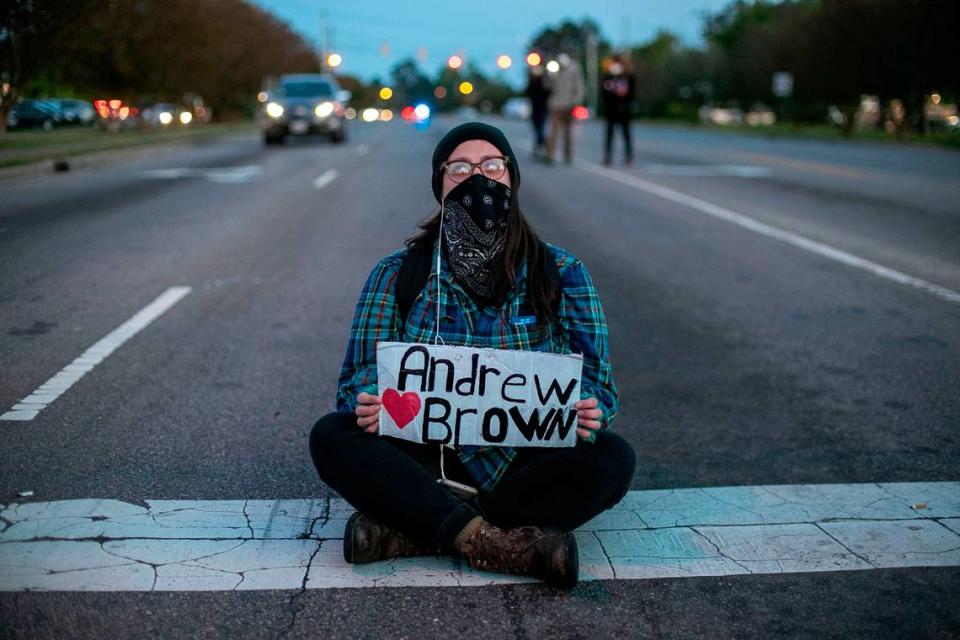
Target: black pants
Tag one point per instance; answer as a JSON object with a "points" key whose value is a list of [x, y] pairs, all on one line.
{"points": [[624, 123], [539, 120], [395, 482]]}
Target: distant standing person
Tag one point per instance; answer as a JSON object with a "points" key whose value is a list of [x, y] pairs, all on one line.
{"points": [[538, 91], [566, 93], [618, 93]]}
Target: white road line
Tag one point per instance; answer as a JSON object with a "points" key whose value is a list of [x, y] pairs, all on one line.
{"points": [[220, 175], [177, 545], [328, 176], [750, 224], [232, 175], [30, 406], [710, 170]]}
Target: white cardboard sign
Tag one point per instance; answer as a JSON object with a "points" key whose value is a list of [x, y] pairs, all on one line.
{"points": [[462, 395]]}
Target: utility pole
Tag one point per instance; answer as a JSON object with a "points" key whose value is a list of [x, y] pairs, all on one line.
{"points": [[324, 40], [328, 45]]}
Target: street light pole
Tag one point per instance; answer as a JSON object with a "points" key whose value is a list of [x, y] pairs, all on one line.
{"points": [[324, 40], [592, 69]]}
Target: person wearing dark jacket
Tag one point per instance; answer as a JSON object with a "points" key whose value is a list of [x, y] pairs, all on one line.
{"points": [[499, 286], [538, 91], [617, 85]]}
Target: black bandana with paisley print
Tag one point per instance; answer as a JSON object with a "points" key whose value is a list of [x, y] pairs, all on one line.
{"points": [[474, 230]]}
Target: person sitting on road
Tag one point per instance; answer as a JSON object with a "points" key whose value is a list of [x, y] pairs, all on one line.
{"points": [[500, 287]]}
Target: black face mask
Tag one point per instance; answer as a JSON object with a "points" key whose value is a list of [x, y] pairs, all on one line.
{"points": [[475, 230]]}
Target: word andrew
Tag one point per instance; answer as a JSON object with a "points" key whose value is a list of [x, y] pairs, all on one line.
{"points": [[462, 395]]}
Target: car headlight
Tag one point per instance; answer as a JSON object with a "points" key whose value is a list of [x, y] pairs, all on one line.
{"points": [[165, 117], [186, 117], [324, 109], [274, 110]]}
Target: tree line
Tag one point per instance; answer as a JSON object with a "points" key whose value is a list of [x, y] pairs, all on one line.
{"points": [[144, 50], [836, 51]]}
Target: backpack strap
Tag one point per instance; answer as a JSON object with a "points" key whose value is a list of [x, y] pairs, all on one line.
{"points": [[413, 275], [415, 270], [552, 274]]}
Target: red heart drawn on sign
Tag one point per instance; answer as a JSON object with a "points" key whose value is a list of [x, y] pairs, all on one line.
{"points": [[402, 408]]}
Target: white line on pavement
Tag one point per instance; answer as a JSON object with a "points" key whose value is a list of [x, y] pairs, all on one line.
{"points": [[750, 224], [232, 175], [221, 175], [736, 170], [180, 545], [328, 176], [29, 407]]}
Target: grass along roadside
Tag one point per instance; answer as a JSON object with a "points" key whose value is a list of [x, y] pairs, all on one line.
{"points": [[18, 148]]}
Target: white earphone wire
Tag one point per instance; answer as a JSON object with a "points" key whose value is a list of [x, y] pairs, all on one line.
{"points": [[437, 339]]}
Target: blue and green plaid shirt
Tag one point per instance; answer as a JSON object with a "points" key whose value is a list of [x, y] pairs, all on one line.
{"points": [[582, 329]]}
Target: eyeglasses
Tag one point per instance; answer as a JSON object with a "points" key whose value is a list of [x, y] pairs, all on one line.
{"points": [[459, 170]]}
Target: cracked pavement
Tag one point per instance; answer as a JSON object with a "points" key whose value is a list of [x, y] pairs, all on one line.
{"points": [[175, 545]]}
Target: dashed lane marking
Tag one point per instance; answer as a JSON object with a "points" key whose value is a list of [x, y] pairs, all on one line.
{"points": [[178, 545], [220, 175], [45, 394], [326, 178]]}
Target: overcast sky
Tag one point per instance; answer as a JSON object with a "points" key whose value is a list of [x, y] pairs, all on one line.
{"points": [[483, 29]]}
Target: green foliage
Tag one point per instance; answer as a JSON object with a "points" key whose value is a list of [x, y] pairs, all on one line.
{"points": [[727, 28], [570, 37], [837, 51], [410, 85], [222, 50], [150, 49]]}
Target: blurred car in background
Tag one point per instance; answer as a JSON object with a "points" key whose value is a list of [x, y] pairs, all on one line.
{"points": [[940, 114], [27, 114], [164, 114], [78, 112], [760, 116], [304, 104], [518, 108], [416, 113], [720, 116], [115, 114]]}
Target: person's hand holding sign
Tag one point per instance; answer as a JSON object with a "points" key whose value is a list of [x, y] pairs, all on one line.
{"points": [[368, 412], [588, 418]]}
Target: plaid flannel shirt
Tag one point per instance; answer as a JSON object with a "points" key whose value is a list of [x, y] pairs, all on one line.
{"points": [[582, 329]]}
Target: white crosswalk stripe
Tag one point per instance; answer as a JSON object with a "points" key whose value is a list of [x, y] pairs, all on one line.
{"points": [[203, 545]]}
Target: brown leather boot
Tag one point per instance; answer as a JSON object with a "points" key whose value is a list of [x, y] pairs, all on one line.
{"points": [[366, 540], [525, 551]]}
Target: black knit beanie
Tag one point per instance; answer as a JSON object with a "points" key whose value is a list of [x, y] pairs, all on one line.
{"points": [[473, 131]]}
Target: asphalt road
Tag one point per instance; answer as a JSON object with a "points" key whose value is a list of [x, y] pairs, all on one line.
{"points": [[741, 359]]}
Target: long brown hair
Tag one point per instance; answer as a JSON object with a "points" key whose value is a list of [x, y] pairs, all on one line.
{"points": [[522, 243]]}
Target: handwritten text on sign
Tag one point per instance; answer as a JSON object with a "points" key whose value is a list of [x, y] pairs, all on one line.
{"points": [[461, 395]]}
